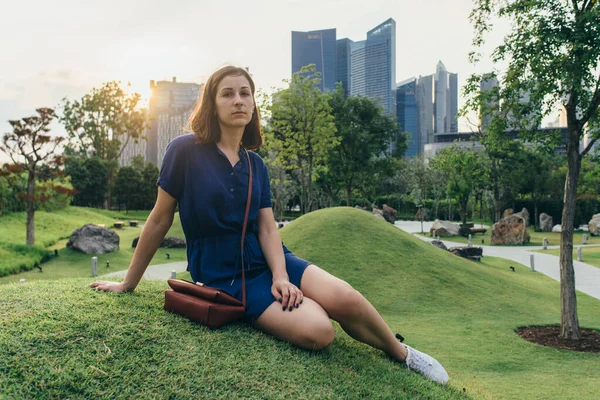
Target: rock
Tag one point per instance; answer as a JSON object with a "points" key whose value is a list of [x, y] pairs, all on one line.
{"points": [[424, 212], [545, 222], [93, 239], [170, 242], [378, 213], [389, 214], [470, 253], [594, 225], [510, 230], [440, 244], [557, 228], [525, 215], [507, 212], [444, 228]]}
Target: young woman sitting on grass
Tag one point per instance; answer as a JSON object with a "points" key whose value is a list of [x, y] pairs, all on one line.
{"points": [[206, 174]]}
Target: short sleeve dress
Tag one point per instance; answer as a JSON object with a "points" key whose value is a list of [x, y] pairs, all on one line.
{"points": [[212, 195]]}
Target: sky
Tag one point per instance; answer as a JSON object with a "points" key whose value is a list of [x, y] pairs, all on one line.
{"points": [[64, 48]]}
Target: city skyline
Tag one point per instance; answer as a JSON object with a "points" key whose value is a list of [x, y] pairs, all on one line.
{"points": [[70, 47]]}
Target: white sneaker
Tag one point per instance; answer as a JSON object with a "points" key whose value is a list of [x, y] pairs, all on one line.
{"points": [[426, 365]]}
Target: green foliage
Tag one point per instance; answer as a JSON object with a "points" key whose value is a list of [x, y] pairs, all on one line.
{"points": [[364, 135], [303, 130], [15, 258], [89, 176], [103, 121]]}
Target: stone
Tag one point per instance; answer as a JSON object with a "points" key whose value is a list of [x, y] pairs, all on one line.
{"points": [[378, 213], [389, 214], [594, 225], [507, 212], [470, 253], [170, 242], [557, 229], [93, 239], [525, 215], [422, 212], [444, 228], [510, 230], [545, 222], [440, 244]]}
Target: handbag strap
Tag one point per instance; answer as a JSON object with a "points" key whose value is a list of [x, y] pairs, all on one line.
{"points": [[245, 224]]}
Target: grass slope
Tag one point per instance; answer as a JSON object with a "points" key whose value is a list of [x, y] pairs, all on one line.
{"points": [[59, 339], [53, 229]]}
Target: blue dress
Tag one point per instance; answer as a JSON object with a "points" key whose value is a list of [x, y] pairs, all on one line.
{"points": [[212, 195]]}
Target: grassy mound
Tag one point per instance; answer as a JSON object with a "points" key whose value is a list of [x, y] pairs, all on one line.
{"points": [[60, 339]]}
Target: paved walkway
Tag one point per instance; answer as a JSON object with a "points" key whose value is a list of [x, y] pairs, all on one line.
{"points": [[587, 277], [158, 272]]}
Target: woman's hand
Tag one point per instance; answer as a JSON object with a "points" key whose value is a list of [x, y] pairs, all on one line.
{"points": [[287, 294], [107, 286]]}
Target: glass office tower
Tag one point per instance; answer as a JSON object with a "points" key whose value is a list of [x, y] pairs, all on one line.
{"points": [[319, 48], [408, 114]]}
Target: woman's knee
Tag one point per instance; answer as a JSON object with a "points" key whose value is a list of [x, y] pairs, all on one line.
{"points": [[347, 301], [318, 336]]}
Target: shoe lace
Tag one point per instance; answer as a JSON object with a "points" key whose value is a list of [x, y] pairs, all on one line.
{"points": [[418, 362]]}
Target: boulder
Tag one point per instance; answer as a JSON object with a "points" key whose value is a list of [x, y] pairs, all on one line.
{"points": [[545, 222], [557, 228], [594, 225], [444, 228], [510, 230], [389, 214], [507, 212], [439, 243], [378, 213], [170, 242], [93, 239], [525, 215], [470, 253]]}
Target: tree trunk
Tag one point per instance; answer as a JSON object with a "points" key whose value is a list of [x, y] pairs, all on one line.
{"points": [[30, 208], [569, 323], [348, 194], [535, 214]]}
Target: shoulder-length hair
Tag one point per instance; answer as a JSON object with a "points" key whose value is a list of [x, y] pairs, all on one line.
{"points": [[204, 122]]}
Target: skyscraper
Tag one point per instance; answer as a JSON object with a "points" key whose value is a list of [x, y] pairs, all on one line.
{"points": [[319, 48], [344, 52], [373, 66], [486, 85], [170, 100], [424, 99], [408, 114]]}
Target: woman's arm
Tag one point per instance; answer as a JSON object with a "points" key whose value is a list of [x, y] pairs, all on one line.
{"points": [[270, 243], [156, 227]]}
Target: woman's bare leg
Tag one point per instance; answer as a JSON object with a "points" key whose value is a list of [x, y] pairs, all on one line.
{"points": [[351, 310]]}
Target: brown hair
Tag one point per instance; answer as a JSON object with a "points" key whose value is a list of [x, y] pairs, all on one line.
{"points": [[204, 122]]}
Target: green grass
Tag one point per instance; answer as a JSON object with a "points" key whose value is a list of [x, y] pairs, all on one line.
{"points": [[463, 313], [55, 227], [537, 238], [589, 255]]}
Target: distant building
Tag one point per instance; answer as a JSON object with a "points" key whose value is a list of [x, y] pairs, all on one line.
{"points": [[424, 99], [446, 100], [319, 48], [344, 52], [407, 113], [170, 105], [486, 85]]}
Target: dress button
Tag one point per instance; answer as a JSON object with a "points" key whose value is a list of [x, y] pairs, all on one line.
{"points": [[232, 173], [231, 190]]}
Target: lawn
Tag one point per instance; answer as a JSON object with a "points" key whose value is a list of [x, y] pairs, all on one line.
{"points": [[464, 313], [589, 255], [54, 228]]}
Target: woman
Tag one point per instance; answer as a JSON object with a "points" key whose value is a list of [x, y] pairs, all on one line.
{"points": [[206, 173]]}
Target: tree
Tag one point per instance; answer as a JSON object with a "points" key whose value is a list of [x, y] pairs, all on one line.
{"points": [[364, 135], [30, 141], [303, 130], [129, 188], [465, 172], [102, 123], [553, 53], [419, 174], [89, 177]]}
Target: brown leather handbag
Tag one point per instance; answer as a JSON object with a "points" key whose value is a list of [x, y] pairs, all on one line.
{"points": [[209, 306]]}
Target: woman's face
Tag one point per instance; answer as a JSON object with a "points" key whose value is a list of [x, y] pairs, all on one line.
{"points": [[234, 101]]}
